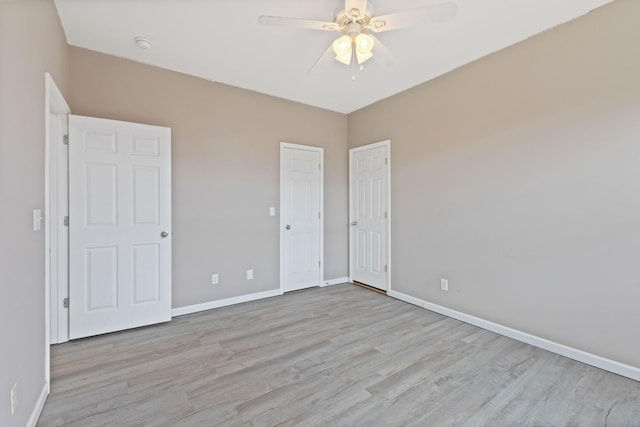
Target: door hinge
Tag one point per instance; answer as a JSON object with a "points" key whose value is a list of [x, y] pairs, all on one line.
{"points": [[385, 214], [386, 160], [65, 303], [65, 139], [66, 221], [385, 268], [319, 167], [319, 215], [319, 264]]}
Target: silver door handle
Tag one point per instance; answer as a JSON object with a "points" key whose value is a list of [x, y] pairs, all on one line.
{"points": [[164, 234], [287, 227], [354, 222]]}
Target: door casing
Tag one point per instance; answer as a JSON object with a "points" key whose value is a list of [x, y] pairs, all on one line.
{"points": [[387, 145], [55, 104]]}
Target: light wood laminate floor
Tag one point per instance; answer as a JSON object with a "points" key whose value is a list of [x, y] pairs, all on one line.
{"points": [[332, 356]]}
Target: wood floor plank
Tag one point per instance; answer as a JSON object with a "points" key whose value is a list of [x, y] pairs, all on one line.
{"points": [[339, 356]]}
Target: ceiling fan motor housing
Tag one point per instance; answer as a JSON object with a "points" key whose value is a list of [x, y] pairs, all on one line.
{"points": [[352, 26], [353, 29]]}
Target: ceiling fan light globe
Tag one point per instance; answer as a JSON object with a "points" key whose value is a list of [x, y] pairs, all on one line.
{"points": [[345, 59], [364, 43], [342, 46], [362, 57]]}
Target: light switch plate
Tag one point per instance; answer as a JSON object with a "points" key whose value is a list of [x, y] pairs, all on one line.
{"points": [[444, 285], [272, 211], [249, 274], [37, 218]]}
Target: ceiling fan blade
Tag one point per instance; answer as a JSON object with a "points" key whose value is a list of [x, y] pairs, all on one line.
{"points": [[297, 23], [381, 54], [411, 18], [355, 8], [324, 60]]}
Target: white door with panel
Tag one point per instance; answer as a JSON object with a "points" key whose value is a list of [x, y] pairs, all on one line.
{"points": [[119, 225], [301, 217], [368, 205]]}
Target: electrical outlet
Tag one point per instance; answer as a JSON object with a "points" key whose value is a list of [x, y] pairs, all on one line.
{"points": [[214, 279], [14, 398], [249, 274], [444, 285], [272, 211]]}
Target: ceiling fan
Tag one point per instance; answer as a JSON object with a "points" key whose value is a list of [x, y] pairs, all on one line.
{"points": [[356, 24]]}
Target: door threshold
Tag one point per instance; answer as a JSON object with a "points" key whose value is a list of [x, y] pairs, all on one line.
{"points": [[371, 288]]}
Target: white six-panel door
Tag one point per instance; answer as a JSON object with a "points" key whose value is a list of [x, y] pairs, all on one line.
{"points": [[301, 217], [369, 215], [120, 225]]}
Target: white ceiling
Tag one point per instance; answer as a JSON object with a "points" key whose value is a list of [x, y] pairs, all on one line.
{"points": [[221, 40]]}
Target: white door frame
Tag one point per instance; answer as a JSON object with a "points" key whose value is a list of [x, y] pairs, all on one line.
{"points": [[387, 145], [283, 146], [54, 104]]}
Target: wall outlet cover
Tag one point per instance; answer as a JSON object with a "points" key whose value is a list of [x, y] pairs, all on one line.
{"points": [[214, 279], [444, 285]]}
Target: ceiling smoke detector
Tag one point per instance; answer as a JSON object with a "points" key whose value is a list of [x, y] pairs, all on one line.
{"points": [[142, 43]]}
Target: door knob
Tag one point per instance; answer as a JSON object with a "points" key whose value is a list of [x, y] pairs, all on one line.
{"points": [[287, 227], [164, 234], [354, 223]]}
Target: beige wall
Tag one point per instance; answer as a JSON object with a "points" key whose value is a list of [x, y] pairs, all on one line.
{"points": [[225, 164], [517, 178], [31, 42]]}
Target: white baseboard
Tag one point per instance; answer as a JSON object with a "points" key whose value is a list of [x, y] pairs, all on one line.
{"points": [[337, 281], [223, 302], [37, 409], [180, 311], [554, 347]]}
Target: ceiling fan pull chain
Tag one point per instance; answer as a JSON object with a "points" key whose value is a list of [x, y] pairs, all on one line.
{"points": [[353, 64]]}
